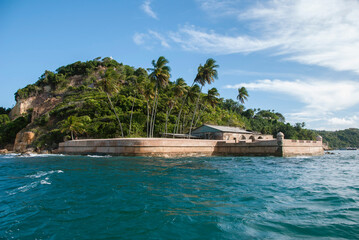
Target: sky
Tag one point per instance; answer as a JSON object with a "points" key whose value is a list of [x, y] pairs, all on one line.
{"points": [[297, 57]]}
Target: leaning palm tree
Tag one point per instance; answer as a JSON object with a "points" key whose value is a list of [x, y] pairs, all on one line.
{"points": [[108, 86], [242, 95], [179, 89], [133, 81], [206, 74], [160, 74], [211, 99], [148, 94], [192, 94], [74, 125]]}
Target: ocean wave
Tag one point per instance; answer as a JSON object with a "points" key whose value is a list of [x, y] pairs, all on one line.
{"points": [[99, 156], [38, 155], [10, 155], [24, 188], [42, 173], [44, 182], [27, 187]]}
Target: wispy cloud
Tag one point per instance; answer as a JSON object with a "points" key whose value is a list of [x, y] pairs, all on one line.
{"points": [[220, 8], [345, 122], [159, 37], [321, 98], [194, 39], [139, 38], [239, 72], [146, 7], [317, 32], [146, 39]]}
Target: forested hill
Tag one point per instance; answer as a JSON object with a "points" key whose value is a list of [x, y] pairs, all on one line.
{"points": [[102, 98], [342, 138]]}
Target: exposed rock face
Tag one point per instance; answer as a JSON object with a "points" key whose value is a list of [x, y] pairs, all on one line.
{"points": [[23, 139], [21, 107], [39, 104]]}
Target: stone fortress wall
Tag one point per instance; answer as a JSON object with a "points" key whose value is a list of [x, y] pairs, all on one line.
{"points": [[167, 147]]}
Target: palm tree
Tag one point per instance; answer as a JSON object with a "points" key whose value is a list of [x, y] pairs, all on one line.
{"points": [[74, 125], [108, 86], [206, 74], [134, 87], [242, 95], [192, 94], [148, 95], [160, 74], [179, 90], [211, 99]]}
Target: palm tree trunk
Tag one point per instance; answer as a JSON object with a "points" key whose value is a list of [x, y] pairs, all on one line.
{"points": [[167, 113], [183, 123], [199, 115], [154, 117], [194, 114], [148, 118], [180, 112], [118, 119], [167, 116], [153, 111], [179, 116], [72, 135], [133, 104]]}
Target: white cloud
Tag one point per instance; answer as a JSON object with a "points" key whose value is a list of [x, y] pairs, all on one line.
{"points": [[146, 38], [159, 37], [317, 32], [146, 7], [191, 38], [139, 38], [321, 98], [346, 122], [220, 8]]}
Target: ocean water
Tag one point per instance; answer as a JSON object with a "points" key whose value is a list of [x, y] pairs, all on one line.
{"points": [[92, 197]]}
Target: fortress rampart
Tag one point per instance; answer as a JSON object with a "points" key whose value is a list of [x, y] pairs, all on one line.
{"points": [[166, 147]]}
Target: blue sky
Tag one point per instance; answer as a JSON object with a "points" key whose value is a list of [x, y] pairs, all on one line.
{"points": [[297, 57]]}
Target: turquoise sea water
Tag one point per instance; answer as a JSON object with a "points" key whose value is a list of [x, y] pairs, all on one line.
{"points": [[78, 197]]}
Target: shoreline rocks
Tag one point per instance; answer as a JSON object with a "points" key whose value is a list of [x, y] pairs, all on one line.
{"points": [[4, 151]]}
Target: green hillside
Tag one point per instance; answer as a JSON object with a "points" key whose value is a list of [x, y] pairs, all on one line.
{"points": [[102, 98], [342, 138]]}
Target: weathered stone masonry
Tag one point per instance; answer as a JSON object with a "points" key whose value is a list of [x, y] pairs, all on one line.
{"points": [[166, 147]]}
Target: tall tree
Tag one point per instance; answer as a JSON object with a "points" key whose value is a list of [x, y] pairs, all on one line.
{"points": [[74, 125], [108, 86], [160, 74], [210, 99], [148, 94], [242, 95], [192, 94], [206, 74], [179, 89], [134, 90]]}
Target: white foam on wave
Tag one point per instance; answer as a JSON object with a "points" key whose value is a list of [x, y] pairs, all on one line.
{"points": [[10, 155], [50, 155], [300, 157], [42, 173], [44, 182], [31, 155], [24, 188], [99, 156]]}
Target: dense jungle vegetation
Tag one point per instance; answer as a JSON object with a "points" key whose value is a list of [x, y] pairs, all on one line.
{"points": [[342, 138], [102, 98]]}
